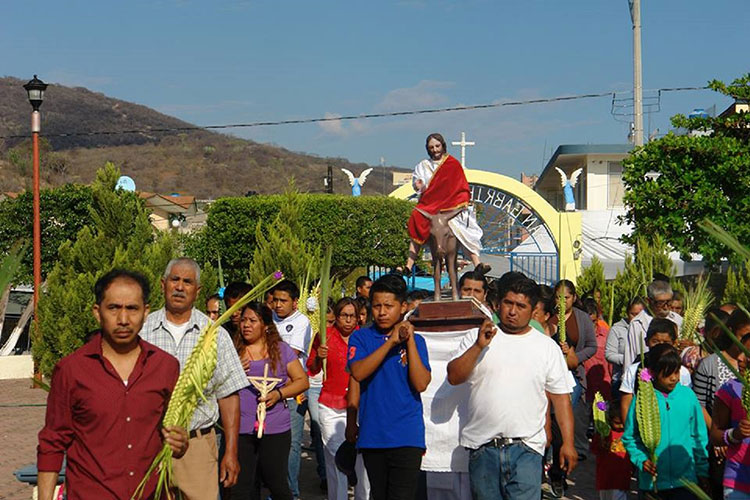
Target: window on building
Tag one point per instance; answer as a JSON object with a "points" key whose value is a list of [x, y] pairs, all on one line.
{"points": [[614, 184]]}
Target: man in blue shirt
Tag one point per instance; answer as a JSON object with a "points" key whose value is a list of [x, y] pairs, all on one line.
{"points": [[390, 362]]}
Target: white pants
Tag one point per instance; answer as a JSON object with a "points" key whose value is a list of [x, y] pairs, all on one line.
{"points": [[332, 432]]}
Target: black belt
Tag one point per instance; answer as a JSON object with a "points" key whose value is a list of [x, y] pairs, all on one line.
{"points": [[201, 432], [501, 442]]}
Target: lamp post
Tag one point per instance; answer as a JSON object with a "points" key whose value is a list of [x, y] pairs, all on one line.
{"points": [[35, 89]]}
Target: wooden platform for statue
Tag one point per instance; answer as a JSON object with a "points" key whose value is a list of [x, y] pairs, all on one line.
{"points": [[447, 315]]}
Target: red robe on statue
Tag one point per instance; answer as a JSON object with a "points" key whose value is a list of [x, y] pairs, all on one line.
{"points": [[448, 189]]}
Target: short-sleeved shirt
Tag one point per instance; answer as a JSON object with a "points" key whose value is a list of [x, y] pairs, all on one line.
{"points": [[628, 378], [228, 377], [390, 409], [508, 388], [296, 331], [737, 468], [277, 417]]}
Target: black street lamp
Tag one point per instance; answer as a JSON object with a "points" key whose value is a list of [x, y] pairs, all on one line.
{"points": [[35, 88]]}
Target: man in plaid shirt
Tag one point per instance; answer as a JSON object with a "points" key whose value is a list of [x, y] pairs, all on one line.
{"points": [[175, 329]]}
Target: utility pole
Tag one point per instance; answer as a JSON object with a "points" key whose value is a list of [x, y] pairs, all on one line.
{"points": [[328, 180], [635, 16], [385, 174]]}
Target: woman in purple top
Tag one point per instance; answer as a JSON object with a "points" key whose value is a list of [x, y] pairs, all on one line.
{"points": [[266, 458]]}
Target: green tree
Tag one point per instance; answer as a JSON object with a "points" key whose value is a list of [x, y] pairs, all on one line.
{"points": [[120, 236], [63, 212], [282, 244], [737, 289], [364, 230], [704, 174]]}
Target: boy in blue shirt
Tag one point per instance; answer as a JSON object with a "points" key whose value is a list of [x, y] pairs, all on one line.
{"points": [[390, 362]]}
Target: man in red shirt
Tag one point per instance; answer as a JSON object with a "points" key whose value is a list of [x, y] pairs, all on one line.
{"points": [[107, 400]]}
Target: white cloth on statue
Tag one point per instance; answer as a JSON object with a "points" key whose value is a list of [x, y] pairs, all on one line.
{"points": [[333, 433], [464, 225], [442, 404]]}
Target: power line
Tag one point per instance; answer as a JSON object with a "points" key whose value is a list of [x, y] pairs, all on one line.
{"points": [[363, 116]]}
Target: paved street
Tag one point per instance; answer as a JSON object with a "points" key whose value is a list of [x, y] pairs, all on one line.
{"points": [[21, 417]]}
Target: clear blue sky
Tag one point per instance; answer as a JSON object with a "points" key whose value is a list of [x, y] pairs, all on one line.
{"points": [[245, 61]]}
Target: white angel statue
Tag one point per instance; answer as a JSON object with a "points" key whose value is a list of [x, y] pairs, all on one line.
{"points": [[568, 185], [357, 182]]}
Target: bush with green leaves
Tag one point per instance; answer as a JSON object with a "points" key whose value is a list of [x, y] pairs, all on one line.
{"points": [[651, 257], [363, 231], [702, 175], [120, 236], [63, 212]]}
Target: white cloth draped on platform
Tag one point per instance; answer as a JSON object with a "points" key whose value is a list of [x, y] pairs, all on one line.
{"points": [[445, 461]]}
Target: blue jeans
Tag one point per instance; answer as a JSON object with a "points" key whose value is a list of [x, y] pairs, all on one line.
{"points": [[313, 393], [298, 424], [512, 472], [732, 494]]}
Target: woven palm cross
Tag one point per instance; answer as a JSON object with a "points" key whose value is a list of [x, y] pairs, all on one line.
{"points": [[264, 385]]}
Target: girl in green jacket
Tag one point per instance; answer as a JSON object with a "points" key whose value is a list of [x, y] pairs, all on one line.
{"points": [[681, 453]]}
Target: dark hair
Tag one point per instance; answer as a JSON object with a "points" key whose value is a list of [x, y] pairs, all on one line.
{"points": [[236, 290], [103, 283], [636, 301], [661, 325], [273, 339], [475, 276], [547, 299], [438, 137], [362, 280], [213, 297], [590, 306], [287, 286], [676, 296], [499, 286], [661, 277], [715, 317], [343, 302], [572, 289], [390, 283], [737, 320], [417, 294], [663, 360], [526, 287]]}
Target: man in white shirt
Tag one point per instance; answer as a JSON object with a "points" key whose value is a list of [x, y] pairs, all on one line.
{"points": [[511, 372], [659, 300], [295, 330]]}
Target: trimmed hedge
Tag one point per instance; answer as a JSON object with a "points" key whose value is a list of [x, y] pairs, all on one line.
{"points": [[364, 230]]}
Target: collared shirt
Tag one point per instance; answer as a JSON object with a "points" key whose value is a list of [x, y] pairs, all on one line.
{"points": [[336, 383], [110, 430], [228, 377], [637, 331]]}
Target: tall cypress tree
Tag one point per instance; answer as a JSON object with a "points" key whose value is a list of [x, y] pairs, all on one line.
{"points": [[120, 236], [281, 244]]}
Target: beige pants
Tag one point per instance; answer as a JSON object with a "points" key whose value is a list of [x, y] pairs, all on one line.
{"points": [[196, 474]]}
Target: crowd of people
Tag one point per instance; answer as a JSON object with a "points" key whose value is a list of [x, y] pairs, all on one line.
{"points": [[528, 409]]}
